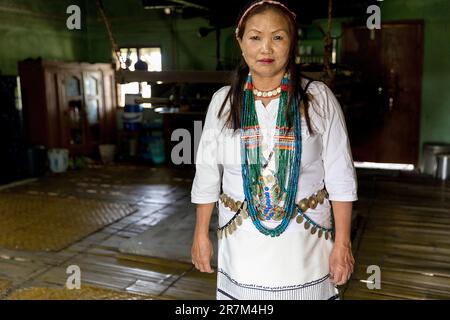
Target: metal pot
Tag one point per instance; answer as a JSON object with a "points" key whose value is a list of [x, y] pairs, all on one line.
{"points": [[429, 161], [443, 166]]}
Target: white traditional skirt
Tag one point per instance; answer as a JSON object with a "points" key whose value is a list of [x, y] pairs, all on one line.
{"points": [[292, 266]]}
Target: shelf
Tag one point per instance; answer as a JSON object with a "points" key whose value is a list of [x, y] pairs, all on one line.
{"points": [[125, 76]]}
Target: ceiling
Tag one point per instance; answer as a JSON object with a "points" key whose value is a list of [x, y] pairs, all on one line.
{"points": [[223, 13]]}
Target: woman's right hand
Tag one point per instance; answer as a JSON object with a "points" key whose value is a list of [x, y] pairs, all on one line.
{"points": [[202, 252]]}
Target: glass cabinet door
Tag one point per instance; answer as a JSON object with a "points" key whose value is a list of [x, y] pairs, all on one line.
{"points": [[93, 100], [81, 99], [91, 84], [73, 87], [75, 114]]}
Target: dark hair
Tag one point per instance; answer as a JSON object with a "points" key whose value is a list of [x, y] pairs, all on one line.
{"points": [[236, 92]]}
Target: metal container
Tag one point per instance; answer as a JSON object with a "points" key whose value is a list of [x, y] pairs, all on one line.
{"points": [[443, 166], [429, 161]]}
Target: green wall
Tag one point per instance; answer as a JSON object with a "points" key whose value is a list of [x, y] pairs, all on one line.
{"points": [[181, 47], [435, 113], [38, 29], [33, 28]]}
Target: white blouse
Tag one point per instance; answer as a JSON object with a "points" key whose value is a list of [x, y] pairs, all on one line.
{"points": [[326, 155]]}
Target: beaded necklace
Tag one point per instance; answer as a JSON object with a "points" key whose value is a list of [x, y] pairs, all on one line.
{"points": [[265, 94], [287, 152]]}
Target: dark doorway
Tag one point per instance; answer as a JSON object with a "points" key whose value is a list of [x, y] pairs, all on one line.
{"points": [[383, 113]]}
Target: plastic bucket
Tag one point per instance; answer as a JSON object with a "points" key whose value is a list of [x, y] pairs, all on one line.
{"points": [[58, 160], [107, 152]]}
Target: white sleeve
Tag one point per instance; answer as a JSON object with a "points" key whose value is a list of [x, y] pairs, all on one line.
{"points": [[207, 180], [340, 176]]}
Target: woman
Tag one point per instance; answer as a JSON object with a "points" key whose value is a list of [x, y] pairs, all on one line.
{"points": [[273, 142]]}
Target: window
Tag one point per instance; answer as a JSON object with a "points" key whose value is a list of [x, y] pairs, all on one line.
{"points": [[152, 57]]}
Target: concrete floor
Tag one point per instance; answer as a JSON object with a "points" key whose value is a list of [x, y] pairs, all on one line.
{"points": [[388, 231]]}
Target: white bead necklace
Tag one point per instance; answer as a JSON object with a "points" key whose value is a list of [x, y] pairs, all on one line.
{"points": [[265, 94]]}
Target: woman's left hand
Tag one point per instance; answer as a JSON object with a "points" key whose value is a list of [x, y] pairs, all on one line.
{"points": [[341, 263]]}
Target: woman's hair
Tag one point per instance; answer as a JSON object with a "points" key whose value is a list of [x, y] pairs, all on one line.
{"points": [[236, 93]]}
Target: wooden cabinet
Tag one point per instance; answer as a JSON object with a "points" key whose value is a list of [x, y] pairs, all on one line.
{"points": [[68, 105]]}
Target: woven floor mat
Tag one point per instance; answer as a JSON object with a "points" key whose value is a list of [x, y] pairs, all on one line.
{"points": [[44, 223], [4, 284], [84, 293]]}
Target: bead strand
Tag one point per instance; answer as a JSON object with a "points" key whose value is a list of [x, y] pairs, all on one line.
{"points": [[287, 160]]}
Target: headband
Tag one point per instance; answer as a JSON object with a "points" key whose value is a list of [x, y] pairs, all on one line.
{"points": [[257, 4]]}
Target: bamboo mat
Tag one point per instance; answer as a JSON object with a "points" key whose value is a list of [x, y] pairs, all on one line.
{"points": [[84, 293], [171, 239], [4, 284], [189, 284], [46, 223], [411, 245], [194, 285]]}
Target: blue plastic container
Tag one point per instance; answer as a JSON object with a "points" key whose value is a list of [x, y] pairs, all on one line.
{"points": [[132, 115]]}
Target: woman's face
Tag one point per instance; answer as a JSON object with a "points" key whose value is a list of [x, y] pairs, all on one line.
{"points": [[266, 43]]}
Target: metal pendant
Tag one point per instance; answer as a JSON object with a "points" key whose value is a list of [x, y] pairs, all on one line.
{"points": [[304, 205], [312, 203], [307, 225], [320, 197], [299, 219], [239, 220], [313, 230], [326, 235], [320, 233]]}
